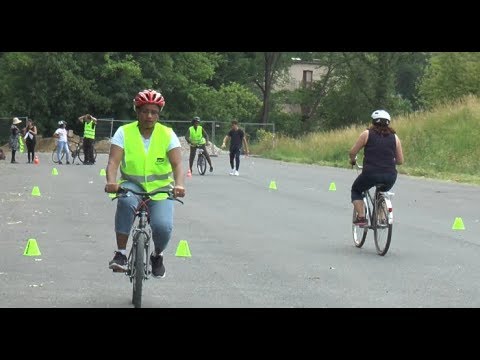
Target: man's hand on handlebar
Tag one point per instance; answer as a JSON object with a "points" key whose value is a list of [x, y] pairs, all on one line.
{"points": [[178, 191], [112, 188]]}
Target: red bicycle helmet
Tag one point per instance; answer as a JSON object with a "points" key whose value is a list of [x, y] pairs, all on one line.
{"points": [[149, 97]]}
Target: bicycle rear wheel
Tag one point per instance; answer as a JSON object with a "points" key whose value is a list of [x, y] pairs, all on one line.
{"points": [[382, 230], [201, 164], [359, 234], [138, 268], [55, 157]]}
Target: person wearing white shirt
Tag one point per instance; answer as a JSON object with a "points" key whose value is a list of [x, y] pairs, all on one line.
{"points": [[62, 145]]}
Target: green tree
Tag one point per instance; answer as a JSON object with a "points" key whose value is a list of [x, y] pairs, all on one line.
{"points": [[450, 76]]}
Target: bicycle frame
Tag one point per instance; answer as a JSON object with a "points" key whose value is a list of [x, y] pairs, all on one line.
{"points": [[370, 205]]}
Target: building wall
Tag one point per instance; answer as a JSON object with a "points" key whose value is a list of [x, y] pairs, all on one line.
{"points": [[295, 75]]}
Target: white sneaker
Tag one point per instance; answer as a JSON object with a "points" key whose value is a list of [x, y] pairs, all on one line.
{"points": [[236, 173], [232, 172]]}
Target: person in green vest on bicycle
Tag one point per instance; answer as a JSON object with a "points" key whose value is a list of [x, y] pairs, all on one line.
{"points": [[195, 136], [150, 158], [89, 125]]}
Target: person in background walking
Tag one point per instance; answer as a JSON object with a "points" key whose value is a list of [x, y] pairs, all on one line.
{"points": [[30, 135], [237, 138], [90, 124]]}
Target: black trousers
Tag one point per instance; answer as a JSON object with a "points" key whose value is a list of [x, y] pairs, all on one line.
{"points": [[88, 150], [31, 147]]}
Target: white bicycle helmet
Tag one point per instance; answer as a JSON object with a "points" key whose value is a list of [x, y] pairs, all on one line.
{"points": [[61, 122], [378, 115]]}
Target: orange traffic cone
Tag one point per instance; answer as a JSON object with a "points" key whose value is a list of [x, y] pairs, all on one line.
{"points": [[36, 161]]}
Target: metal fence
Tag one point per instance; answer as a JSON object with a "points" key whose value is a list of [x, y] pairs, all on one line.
{"points": [[215, 129], [106, 127]]}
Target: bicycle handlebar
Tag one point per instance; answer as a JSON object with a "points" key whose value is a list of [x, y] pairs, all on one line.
{"points": [[122, 191], [360, 167]]}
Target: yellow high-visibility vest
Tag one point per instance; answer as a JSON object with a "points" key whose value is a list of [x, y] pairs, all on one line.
{"points": [[151, 170]]}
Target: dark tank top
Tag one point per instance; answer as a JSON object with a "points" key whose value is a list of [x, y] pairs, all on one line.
{"points": [[380, 153]]}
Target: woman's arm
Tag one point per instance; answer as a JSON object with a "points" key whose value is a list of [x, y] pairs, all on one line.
{"points": [[399, 154], [359, 144]]}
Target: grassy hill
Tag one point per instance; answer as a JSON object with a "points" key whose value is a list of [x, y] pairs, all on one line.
{"points": [[443, 143]]}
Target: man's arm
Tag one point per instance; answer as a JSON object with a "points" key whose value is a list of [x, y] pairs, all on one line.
{"points": [[224, 140], [175, 158], [205, 135], [114, 158], [245, 144], [187, 136]]}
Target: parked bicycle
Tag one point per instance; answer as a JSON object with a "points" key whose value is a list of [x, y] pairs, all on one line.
{"points": [[138, 262], [77, 153], [379, 215]]}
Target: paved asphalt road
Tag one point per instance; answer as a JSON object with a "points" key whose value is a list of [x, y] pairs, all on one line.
{"points": [[251, 246]]}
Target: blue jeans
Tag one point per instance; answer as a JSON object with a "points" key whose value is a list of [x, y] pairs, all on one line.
{"points": [[366, 181], [63, 146], [161, 216]]}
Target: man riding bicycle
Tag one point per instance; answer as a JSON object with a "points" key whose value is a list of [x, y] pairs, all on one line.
{"points": [[150, 158], [195, 136]]}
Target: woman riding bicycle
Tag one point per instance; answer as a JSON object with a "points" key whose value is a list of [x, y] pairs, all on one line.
{"points": [[383, 150], [150, 158], [195, 136]]}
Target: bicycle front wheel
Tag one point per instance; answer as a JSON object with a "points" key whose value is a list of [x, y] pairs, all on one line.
{"points": [[382, 230], [359, 234], [80, 154], [138, 268], [201, 164]]}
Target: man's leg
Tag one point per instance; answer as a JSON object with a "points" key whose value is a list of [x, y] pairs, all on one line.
{"points": [[237, 159], [232, 155], [124, 218], [86, 151], [161, 221]]}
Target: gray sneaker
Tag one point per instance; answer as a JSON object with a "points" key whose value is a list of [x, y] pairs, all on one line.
{"points": [[118, 263], [158, 269]]}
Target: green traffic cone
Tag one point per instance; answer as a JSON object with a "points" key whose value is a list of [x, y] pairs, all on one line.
{"points": [[183, 250], [32, 248]]}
